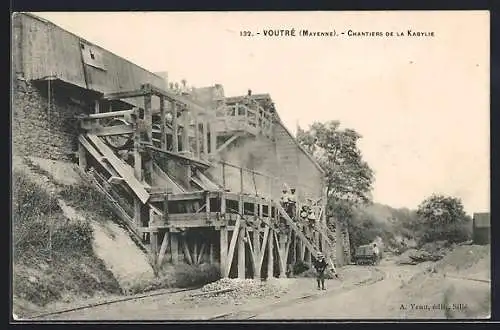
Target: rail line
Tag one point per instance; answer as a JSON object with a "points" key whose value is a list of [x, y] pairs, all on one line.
{"points": [[109, 302], [379, 275]]}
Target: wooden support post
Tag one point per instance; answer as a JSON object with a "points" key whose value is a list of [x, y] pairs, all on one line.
{"points": [[223, 204], [280, 243], [137, 212], [211, 254], [185, 247], [97, 110], [174, 247], [82, 157], [175, 128], [163, 131], [270, 256], [207, 207], [241, 180], [185, 131], [262, 252], [232, 246], [256, 254], [294, 248], [197, 135], [205, 138], [154, 243], [148, 118], [223, 252], [195, 252], [199, 259], [241, 253], [213, 138], [223, 176], [163, 248]]}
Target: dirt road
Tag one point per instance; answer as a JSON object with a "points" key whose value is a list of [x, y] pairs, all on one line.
{"points": [[387, 291], [359, 302], [178, 306]]}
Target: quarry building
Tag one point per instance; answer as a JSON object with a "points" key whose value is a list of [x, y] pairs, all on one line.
{"points": [[196, 175]]}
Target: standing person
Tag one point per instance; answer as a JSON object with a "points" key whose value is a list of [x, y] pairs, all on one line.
{"points": [[292, 204], [320, 266], [376, 252], [284, 198], [311, 217]]}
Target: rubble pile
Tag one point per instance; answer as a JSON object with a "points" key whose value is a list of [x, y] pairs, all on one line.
{"points": [[433, 251], [225, 291]]}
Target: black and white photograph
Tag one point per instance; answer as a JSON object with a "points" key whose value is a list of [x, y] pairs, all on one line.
{"points": [[212, 166]]}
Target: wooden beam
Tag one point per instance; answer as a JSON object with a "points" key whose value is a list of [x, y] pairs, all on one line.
{"points": [[201, 254], [270, 259], [253, 253], [173, 97], [281, 254], [195, 252], [241, 253], [197, 135], [148, 118], [241, 181], [121, 168], [124, 95], [205, 137], [96, 154], [213, 138], [181, 157], [106, 114], [154, 243], [232, 246], [211, 254], [163, 132], [163, 248], [223, 252], [263, 248], [187, 253], [185, 132], [228, 142], [112, 130], [174, 247], [82, 157], [175, 128]]}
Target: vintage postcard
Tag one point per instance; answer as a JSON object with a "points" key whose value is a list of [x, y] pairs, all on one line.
{"points": [[250, 165]]}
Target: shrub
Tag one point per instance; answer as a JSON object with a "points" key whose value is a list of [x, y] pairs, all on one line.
{"points": [[195, 275], [300, 267], [86, 198], [311, 273]]}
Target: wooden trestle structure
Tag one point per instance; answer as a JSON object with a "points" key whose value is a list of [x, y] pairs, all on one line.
{"points": [[151, 165]]}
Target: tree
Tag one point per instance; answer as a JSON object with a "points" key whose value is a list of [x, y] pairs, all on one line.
{"points": [[349, 178], [442, 218]]}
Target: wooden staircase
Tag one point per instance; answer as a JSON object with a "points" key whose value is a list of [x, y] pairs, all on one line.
{"points": [[305, 240]]}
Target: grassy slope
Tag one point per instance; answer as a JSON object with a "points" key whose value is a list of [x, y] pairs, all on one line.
{"points": [[67, 270], [53, 257]]}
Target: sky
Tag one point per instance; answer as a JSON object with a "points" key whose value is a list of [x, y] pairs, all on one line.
{"points": [[420, 103]]}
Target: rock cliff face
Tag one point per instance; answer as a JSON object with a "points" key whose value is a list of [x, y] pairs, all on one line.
{"points": [[43, 123]]}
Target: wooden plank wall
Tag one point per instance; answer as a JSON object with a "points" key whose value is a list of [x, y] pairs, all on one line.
{"points": [[48, 50]]}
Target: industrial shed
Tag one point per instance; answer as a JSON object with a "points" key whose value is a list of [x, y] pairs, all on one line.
{"points": [[195, 175]]}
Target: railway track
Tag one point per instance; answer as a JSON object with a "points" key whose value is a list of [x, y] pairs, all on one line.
{"points": [[379, 275], [110, 302]]}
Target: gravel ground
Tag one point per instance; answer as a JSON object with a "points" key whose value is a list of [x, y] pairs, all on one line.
{"points": [[248, 295]]}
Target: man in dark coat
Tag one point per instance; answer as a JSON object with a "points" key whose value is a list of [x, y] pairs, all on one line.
{"points": [[320, 265]]}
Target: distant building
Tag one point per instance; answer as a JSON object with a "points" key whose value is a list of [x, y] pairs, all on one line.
{"points": [[481, 228]]}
